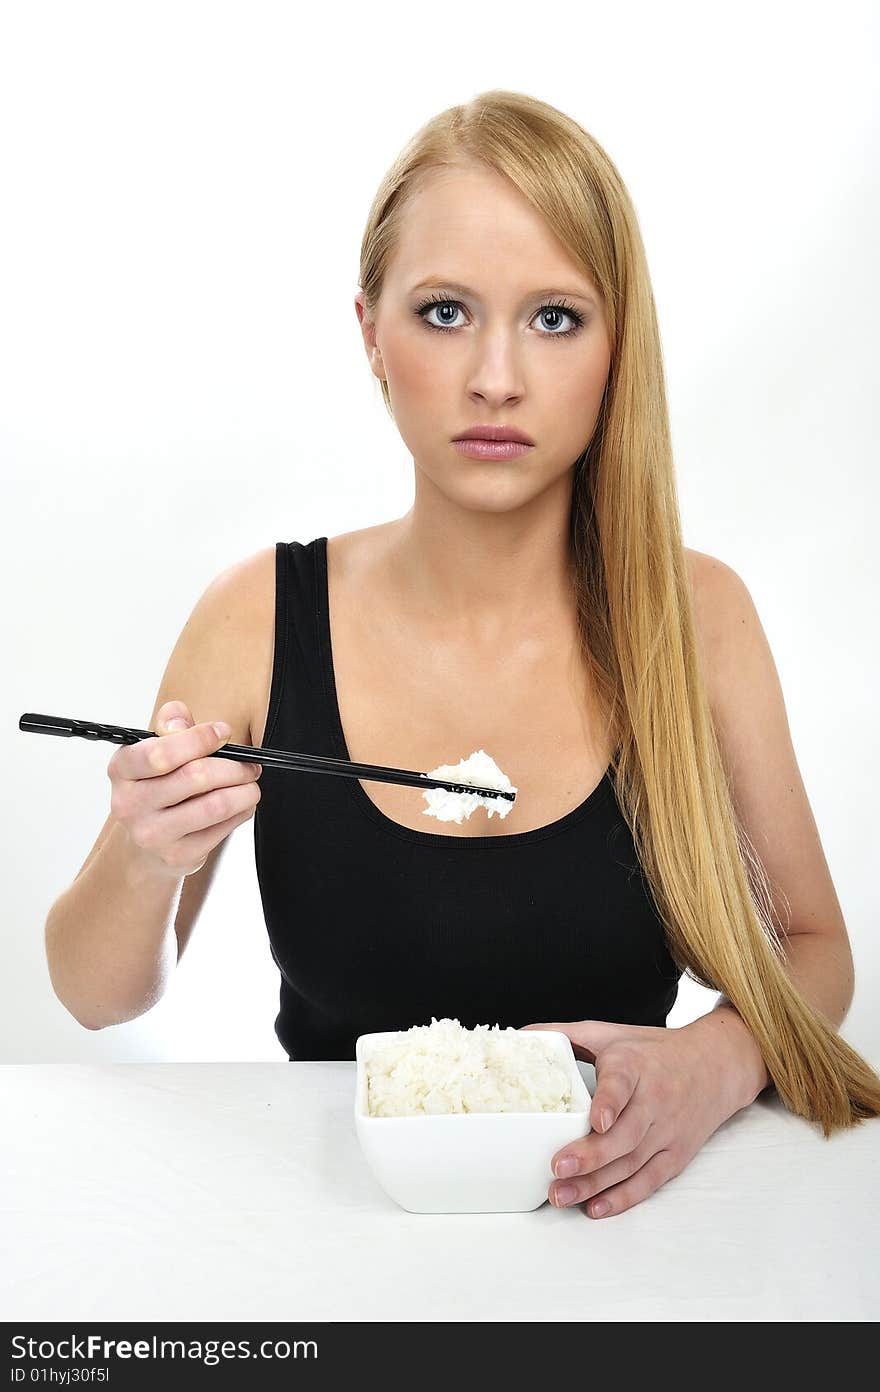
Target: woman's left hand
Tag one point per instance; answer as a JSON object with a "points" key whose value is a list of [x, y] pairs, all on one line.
{"points": [[660, 1094]]}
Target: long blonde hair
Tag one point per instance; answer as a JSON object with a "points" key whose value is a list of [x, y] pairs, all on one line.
{"points": [[635, 613]]}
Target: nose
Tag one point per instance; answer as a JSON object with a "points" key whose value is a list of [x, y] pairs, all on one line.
{"points": [[496, 375]]}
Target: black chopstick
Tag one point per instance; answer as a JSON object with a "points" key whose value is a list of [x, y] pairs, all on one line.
{"points": [[66, 727]]}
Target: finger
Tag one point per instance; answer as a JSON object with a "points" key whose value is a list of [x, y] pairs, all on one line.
{"points": [[571, 1031], [652, 1176], [197, 814], [174, 715], [589, 1037], [161, 772], [578, 1190], [596, 1150], [167, 753], [193, 850], [204, 776], [187, 787], [615, 1087], [615, 1084]]}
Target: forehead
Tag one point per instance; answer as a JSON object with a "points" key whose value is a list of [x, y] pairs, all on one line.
{"points": [[473, 227]]}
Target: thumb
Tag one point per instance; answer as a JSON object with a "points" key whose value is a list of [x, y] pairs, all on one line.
{"points": [[588, 1037], [174, 715]]}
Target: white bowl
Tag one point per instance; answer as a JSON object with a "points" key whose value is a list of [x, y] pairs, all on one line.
{"points": [[468, 1162]]}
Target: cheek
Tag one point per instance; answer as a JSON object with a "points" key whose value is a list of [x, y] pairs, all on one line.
{"points": [[576, 390], [580, 379], [414, 371]]}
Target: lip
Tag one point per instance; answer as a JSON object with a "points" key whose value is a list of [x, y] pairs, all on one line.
{"points": [[496, 432], [492, 449]]}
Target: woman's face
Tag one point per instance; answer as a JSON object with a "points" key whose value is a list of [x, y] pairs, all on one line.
{"points": [[508, 350]]}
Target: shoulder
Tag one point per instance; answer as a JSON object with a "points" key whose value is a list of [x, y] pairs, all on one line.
{"points": [[714, 584], [724, 612], [241, 603], [241, 598], [754, 736], [227, 606], [739, 670], [245, 582]]}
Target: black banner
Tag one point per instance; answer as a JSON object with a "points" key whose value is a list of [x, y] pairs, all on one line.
{"points": [[123, 1356]]}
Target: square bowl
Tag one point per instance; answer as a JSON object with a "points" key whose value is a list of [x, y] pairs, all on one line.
{"points": [[468, 1162]]}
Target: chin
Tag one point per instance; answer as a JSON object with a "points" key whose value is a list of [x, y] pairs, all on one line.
{"points": [[492, 495]]}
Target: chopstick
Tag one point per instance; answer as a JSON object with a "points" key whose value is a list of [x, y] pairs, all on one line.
{"points": [[66, 727]]}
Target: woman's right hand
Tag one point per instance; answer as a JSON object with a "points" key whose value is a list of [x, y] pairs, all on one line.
{"points": [[175, 802]]}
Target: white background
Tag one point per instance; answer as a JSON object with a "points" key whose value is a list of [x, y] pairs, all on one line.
{"points": [[184, 192]]}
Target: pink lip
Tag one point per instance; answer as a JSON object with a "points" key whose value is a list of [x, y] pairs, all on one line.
{"points": [[496, 432], [491, 449]]}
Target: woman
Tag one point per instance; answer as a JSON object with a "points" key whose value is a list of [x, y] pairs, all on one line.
{"points": [[540, 604]]}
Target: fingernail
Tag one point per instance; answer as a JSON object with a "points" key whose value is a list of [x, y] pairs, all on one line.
{"points": [[567, 1166], [222, 730], [178, 723], [565, 1193], [607, 1120], [600, 1207]]}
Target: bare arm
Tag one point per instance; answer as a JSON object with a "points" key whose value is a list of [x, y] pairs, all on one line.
{"points": [[110, 941], [822, 970], [755, 739], [115, 935]]}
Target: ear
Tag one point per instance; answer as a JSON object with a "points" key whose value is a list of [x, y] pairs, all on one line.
{"points": [[368, 330]]}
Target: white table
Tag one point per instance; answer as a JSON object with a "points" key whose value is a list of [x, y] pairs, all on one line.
{"points": [[237, 1191]]}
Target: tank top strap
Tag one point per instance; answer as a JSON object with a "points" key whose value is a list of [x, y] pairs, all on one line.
{"points": [[297, 673]]}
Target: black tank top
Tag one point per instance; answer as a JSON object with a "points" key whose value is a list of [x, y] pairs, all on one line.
{"points": [[374, 926]]}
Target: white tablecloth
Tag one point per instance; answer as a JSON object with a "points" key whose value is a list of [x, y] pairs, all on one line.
{"points": [[237, 1191]]}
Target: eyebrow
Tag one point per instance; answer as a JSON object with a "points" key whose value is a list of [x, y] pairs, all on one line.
{"points": [[438, 283]]}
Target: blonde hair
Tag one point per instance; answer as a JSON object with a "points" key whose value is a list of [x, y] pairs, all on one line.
{"points": [[635, 613]]}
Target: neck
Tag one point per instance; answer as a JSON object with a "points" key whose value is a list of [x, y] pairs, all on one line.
{"points": [[487, 576]]}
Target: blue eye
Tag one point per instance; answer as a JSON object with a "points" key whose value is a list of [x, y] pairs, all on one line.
{"points": [[555, 307]]}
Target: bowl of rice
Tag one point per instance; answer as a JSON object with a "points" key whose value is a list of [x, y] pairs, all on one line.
{"points": [[455, 1120]]}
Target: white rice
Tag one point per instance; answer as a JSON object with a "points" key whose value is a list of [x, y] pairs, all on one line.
{"points": [[481, 770], [432, 1070]]}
